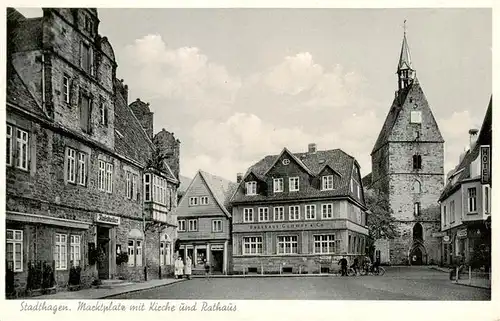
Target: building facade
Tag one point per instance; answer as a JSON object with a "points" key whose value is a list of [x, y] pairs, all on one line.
{"points": [[298, 213], [204, 223], [466, 203], [408, 171], [76, 157]]}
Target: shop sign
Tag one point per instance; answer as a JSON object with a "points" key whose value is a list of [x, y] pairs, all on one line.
{"points": [[438, 234], [446, 239], [217, 247], [485, 164], [108, 219], [462, 233]]}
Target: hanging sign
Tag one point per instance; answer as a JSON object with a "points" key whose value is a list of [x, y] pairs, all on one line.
{"points": [[485, 155], [446, 238]]}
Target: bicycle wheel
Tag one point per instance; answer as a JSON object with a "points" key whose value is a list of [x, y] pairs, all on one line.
{"points": [[350, 272], [363, 272], [381, 271]]}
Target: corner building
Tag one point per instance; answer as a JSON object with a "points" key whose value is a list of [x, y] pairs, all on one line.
{"points": [[298, 213]]}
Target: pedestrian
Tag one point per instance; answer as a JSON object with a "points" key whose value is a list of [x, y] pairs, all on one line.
{"points": [[187, 267], [354, 266], [343, 266], [179, 268], [207, 268]]}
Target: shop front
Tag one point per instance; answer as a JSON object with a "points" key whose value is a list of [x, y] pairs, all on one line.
{"points": [[105, 244], [214, 252]]}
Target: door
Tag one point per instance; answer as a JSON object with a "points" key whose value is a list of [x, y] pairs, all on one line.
{"points": [[218, 260], [416, 257], [103, 247]]}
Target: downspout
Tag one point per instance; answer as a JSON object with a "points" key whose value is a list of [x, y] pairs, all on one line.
{"points": [[43, 82]]}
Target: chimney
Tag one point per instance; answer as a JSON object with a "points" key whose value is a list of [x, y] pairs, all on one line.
{"points": [[472, 137], [239, 177], [311, 148]]}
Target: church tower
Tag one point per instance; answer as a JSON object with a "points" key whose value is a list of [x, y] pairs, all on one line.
{"points": [[408, 170]]}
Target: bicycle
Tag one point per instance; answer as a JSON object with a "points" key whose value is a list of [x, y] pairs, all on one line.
{"points": [[369, 270]]}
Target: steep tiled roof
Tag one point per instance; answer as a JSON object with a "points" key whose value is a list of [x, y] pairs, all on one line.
{"points": [[337, 159], [391, 118], [19, 95], [462, 170], [221, 189]]}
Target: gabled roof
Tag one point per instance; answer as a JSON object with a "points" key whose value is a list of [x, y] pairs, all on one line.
{"points": [[19, 95], [285, 150], [462, 170], [338, 160]]}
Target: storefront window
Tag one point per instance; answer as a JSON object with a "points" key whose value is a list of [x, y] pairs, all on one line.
{"points": [[287, 244], [252, 245], [15, 250]]}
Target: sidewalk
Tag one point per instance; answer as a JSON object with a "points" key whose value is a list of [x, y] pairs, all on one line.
{"points": [[464, 279], [101, 293]]}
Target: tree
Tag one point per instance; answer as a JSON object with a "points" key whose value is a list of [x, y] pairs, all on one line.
{"points": [[381, 223]]}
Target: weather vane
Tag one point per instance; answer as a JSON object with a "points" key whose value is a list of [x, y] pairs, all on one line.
{"points": [[404, 26]]}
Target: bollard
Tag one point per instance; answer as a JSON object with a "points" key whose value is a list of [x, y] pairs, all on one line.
{"points": [[456, 275], [470, 275]]}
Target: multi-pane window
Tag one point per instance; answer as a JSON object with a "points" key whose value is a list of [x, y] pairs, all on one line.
{"points": [[326, 211], [417, 162], [327, 182], [279, 213], [217, 226], [85, 113], [252, 245], [134, 252], [101, 175], [131, 185], [103, 114], [472, 199], [82, 169], [131, 253], [164, 253], [182, 225], [22, 149], [193, 201], [9, 146], [248, 215], [263, 214], [294, 212], [14, 250], [416, 208], [204, 200], [71, 163], [87, 58], [310, 212], [159, 193], [138, 253], [147, 187], [193, 225], [109, 177], [287, 244], [326, 244], [293, 183], [278, 185], [75, 250], [65, 89], [60, 252], [251, 188]]}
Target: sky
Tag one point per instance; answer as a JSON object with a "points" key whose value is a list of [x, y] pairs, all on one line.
{"points": [[235, 85]]}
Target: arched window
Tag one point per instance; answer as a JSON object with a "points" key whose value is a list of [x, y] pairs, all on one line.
{"points": [[417, 187], [135, 241], [418, 232]]}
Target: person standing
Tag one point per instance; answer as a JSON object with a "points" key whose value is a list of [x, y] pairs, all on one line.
{"points": [[343, 266], [207, 268], [179, 268], [187, 267]]}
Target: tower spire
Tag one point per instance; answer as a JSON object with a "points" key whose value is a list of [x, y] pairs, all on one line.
{"points": [[405, 72]]}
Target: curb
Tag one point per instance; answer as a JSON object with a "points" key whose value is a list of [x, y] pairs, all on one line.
{"points": [[472, 286], [137, 290]]}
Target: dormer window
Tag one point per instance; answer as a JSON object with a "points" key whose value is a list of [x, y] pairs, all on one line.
{"points": [[251, 188], [327, 182], [278, 185], [293, 183]]}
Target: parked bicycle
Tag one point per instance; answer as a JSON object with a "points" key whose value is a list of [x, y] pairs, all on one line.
{"points": [[367, 270]]}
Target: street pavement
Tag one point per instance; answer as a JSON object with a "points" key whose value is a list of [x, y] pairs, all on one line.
{"points": [[399, 283]]}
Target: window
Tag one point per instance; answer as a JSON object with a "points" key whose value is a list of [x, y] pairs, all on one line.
{"points": [[310, 212], [287, 244], [89, 24], [278, 185], [109, 177], [101, 174], [60, 252], [8, 161], [65, 89], [326, 211], [204, 200], [71, 165], [325, 244], [82, 169], [138, 253], [417, 187], [417, 162], [164, 253], [193, 225], [131, 185], [157, 189], [103, 113], [134, 187], [217, 226], [452, 211], [487, 197], [472, 199], [131, 253], [251, 188], [252, 245], [293, 184], [263, 214], [182, 225], [279, 213], [22, 149], [248, 215], [444, 215], [75, 250], [85, 113], [327, 182], [416, 117], [294, 213], [147, 187], [87, 58], [14, 250], [416, 208], [193, 201]]}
